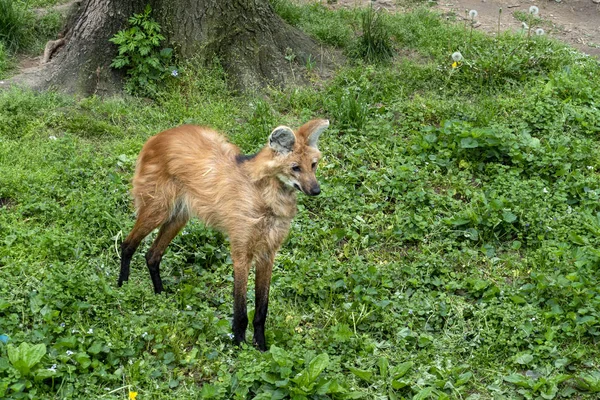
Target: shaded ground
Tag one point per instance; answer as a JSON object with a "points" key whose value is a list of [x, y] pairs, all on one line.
{"points": [[576, 22]]}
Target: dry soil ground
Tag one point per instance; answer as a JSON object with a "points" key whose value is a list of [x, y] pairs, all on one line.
{"points": [[574, 21]]}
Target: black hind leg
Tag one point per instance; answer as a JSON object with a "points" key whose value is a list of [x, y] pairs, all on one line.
{"points": [[147, 221], [167, 232]]}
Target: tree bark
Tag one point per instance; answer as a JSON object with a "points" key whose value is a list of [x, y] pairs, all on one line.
{"points": [[248, 38]]}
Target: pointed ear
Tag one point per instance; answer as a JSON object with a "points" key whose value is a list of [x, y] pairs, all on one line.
{"points": [[282, 140], [315, 130]]}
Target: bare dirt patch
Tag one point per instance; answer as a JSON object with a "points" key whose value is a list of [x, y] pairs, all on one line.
{"points": [[576, 22]]}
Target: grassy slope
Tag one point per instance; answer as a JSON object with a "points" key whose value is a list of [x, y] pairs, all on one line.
{"points": [[453, 250]]}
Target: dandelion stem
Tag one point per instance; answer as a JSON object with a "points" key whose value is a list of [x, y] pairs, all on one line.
{"points": [[499, 16]]}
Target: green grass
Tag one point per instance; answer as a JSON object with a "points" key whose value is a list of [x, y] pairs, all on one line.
{"points": [[453, 252], [21, 31], [15, 20]]}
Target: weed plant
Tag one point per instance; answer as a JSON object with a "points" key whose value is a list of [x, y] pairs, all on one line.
{"points": [[374, 44], [453, 252], [147, 65]]}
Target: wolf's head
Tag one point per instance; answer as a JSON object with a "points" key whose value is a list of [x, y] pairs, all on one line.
{"points": [[296, 155]]}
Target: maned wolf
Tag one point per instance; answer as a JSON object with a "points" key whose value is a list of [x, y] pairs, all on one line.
{"points": [[193, 171]]}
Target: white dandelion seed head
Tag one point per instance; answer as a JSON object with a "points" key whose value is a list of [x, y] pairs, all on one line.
{"points": [[524, 25], [473, 14], [533, 10], [539, 31], [456, 56]]}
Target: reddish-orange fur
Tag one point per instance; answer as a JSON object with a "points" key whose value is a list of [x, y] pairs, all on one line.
{"points": [[193, 171]]}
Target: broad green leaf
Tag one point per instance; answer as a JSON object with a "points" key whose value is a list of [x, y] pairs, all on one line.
{"points": [[469, 143], [280, 356], [588, 319], [524, 358], [575, 238], [361, 373], [26, 356], [95, 348], [83, 360], [398, 384], [401, 369], [463, 378], [472, 234], [309, 375], [549, 393], [517, 379], [44, 373], [383, 364], [423, 393], [509, 217], [317, 365]]}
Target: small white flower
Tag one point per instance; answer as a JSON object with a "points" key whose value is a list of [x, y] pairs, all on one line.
{"points": [[539, 31], [456, 56], [230, 335], [74, 331], [473, 14], [62, 324], [188, 307], [533, 10], [524, 25], [52, 368], [52, 137], [545, 190], [70, 353], [130, 362], [590, 167], [174, 72], [90, 331], [144, 334]]}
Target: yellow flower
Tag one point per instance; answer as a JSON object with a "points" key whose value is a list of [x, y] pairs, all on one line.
{"points": [[454, 64], [132, 395]]}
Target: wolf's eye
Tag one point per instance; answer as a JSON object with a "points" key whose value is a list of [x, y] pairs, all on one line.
{"points": [[314, 165], [296, 168]]}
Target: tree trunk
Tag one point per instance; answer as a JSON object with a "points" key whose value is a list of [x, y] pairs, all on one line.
{"points": [[249, 39]]}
